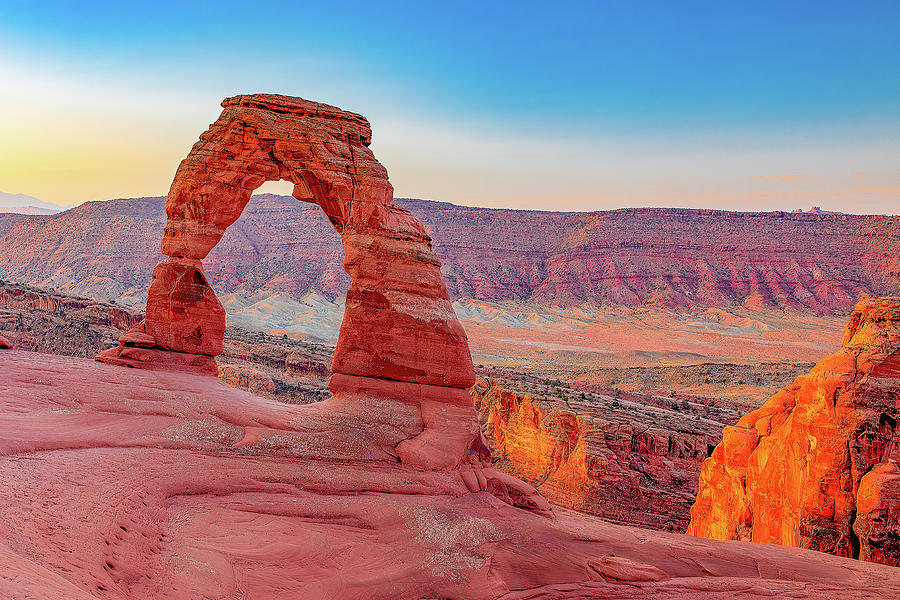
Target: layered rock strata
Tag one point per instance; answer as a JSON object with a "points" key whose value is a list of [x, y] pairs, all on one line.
{"points": [[399, 325], [815, 466], [613, 457], [685, 258]]}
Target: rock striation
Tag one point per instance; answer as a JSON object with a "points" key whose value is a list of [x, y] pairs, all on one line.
{"points": [[815, 467], [689, 259], [399, 325], [614, 457]]}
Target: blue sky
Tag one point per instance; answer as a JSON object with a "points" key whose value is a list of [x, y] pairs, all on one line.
{"points": [[576, 105]]}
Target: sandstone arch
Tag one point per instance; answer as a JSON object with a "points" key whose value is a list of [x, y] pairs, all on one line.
{"points": [[399, 325]]}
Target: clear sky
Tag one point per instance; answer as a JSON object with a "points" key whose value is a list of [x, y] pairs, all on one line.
{"points": [[554, 105]]}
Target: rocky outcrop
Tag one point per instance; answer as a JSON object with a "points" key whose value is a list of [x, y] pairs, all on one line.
{"points": [[612, 456], [814, 466], [133, 484], [672, 257], [5, 344], [14, 297], [399, 325], [877, 524]]}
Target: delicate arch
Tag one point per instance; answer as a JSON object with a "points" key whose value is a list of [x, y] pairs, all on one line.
{"points": [[398, 321]]}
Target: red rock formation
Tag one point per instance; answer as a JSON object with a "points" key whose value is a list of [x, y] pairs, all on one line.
{"points": [[877, 524], [131, 484], [596, 458], [183, 313], [398, 323], [807, 468], [5, 344], [549, 448], [247, 378]]}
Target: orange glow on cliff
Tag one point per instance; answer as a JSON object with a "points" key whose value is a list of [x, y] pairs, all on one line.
{"points": [[547, 448]]}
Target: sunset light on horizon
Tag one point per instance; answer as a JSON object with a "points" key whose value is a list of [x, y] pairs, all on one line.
{"points": [[586, 106]]}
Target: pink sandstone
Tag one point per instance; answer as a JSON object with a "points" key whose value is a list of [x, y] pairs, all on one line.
{"points": [[139, 484]]}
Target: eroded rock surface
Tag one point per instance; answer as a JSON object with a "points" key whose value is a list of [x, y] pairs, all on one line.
{"points": [[399, 325], [613, 457], [398, 321], [138, 484], [813, 467]]}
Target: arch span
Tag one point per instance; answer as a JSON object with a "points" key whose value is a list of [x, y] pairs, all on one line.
{"points": [[398, 321]]}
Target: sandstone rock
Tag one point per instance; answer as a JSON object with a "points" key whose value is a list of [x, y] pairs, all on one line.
{"points": [[5, 344], [183, 313], [398, 324], [247, 378], [400, 341], [132, 484], [586, 455], [802, 469], [877, 524], [159, 359], [137, 336]]}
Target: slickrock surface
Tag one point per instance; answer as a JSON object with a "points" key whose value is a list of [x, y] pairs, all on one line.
{"points": [[815, 467], [136, 484], [672, 257]]}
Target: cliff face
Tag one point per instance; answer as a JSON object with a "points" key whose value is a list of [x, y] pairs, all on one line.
{"points": [[815, 466], [48, 322], [672, 257], [598, 454], [16, 297]]}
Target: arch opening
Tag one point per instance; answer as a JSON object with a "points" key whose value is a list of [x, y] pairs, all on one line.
{"points": [[398, 322]]}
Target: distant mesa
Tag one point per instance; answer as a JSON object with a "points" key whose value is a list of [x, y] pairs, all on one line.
{"points": [[816, 465], [26, 205], [674, 258]]}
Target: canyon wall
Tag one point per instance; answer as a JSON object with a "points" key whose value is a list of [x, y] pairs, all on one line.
{"points": [[614, 457], [671, 257], [816, 466]]}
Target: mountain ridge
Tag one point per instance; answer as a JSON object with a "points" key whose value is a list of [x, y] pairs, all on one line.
{"points": [[679, 258], [26, 205]]}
